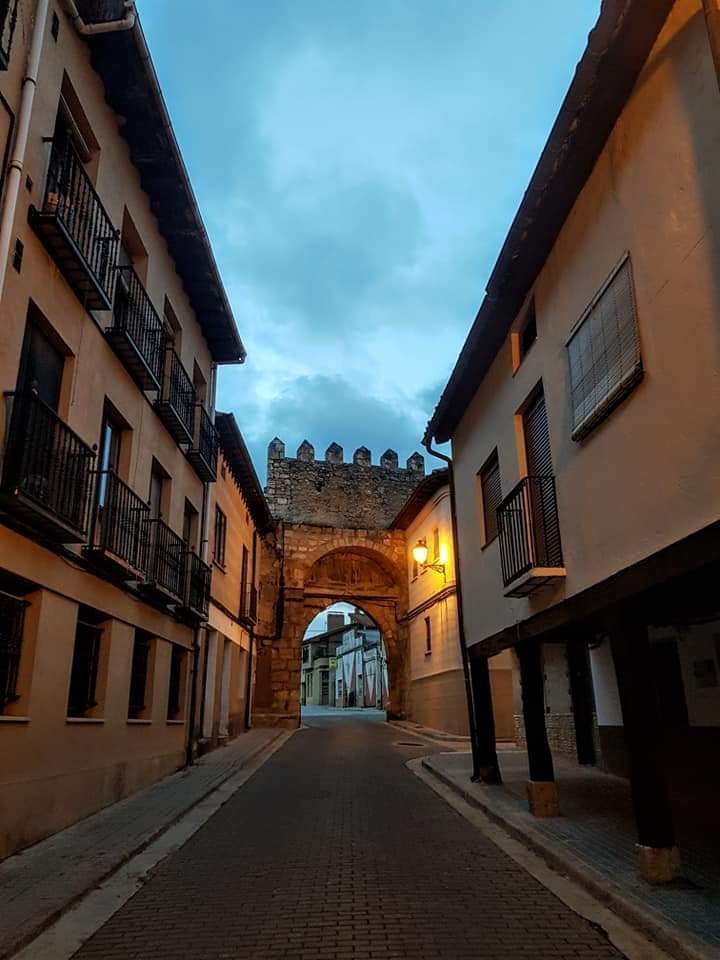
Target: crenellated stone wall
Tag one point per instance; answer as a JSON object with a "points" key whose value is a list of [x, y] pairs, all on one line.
{"points": [[333, 493]]}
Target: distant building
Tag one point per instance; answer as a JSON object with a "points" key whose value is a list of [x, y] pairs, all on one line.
{"points": [[361, 673]]}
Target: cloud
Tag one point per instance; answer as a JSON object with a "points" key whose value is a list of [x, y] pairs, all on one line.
{"points": [[357, 166]]}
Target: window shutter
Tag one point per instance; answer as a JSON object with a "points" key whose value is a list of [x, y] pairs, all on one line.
{"points": [[491, 496], [604, 352]]}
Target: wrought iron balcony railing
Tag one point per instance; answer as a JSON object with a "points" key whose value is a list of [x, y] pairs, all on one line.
{"points": [[248, 603], [12, 616], [203, 452], [197, 595], [120, 530], [529, 533], [176, 403], [75, 228], [165, 563], [136, 332], [47, 476], [8, 19]]}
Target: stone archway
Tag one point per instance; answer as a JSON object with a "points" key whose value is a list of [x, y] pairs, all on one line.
{"points": [[322, 565]]}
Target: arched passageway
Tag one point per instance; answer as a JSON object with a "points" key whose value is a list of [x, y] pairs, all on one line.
{"points": [[323, 565]]}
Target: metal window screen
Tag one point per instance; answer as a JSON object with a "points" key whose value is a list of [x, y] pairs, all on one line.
{"points": [[604, 352]]}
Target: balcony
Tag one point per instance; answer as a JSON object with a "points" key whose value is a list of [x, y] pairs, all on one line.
{"points": [[165, 562], [75, 229], [176, 403], [8, 20], [47, 475], [197, 594], [203, 452], [529, 534], [102, 11], [136, 333], [119, 534]]}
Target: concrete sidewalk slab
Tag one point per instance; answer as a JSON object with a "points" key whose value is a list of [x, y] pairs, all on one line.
{"points": [[683, 918], [39, 884]]}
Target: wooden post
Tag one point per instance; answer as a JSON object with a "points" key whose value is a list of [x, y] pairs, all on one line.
{"points": [[581, 694], [487, 768], [642, 719], [542, 790]]}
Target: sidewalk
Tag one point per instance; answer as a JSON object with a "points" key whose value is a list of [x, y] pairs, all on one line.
{"points": [[37, 885], [593, 842]]}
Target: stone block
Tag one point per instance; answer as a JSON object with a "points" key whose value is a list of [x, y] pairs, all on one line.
{"points": [[658, 865]]}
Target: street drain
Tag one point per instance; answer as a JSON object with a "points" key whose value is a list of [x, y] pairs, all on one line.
{"points": [[408, 743]]}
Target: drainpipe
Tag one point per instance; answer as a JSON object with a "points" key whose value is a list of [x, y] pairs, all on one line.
{"points": [[201, 628], [108, 26], [711, 9], [427, 443], [17, 159], [251, 635]]}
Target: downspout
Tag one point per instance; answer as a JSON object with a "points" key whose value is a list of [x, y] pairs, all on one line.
{"points": [[17, 159], [201, 627], [427, 443], [108, 26], [711, 9]]}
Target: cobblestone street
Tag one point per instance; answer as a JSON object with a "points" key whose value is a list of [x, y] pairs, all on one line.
{"points": [[335, 850]]}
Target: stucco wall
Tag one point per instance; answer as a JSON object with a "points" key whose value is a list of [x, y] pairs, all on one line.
{"points": [[653, 193]]}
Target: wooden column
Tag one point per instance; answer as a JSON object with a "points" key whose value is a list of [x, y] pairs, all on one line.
{"points": [[643, 723], [542, 790], [487, 768], [581, 694]]}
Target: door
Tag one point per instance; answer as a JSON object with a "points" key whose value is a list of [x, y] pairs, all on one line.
{"points": [[156, 486], [41, 367], [540, 494], [109, 456]]}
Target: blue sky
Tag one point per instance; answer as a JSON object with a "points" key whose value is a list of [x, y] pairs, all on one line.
{"points": [[357, 165]]}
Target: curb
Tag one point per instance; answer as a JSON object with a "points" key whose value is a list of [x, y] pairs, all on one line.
{"points": [[9, 950], [681, 944]]}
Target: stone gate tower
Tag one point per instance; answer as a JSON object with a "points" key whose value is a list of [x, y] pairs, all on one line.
{"points": [[336, 542]]}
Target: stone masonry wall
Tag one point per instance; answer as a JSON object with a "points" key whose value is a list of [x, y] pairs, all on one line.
{"points": [[330, 492]]}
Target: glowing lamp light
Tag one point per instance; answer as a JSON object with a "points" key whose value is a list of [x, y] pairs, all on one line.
{"points": [[420, 553]]}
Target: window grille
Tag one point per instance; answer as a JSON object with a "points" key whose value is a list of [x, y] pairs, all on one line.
{"points": [[12, 616], [83, 675], [491, 493], [138, 675], [220, 536], [604, 352]]}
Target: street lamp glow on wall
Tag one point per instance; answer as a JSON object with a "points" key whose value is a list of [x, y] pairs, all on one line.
{"points": [[420, 555]]}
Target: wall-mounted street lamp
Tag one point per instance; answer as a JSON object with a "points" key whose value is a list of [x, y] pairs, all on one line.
{"points": [[420, 555]]}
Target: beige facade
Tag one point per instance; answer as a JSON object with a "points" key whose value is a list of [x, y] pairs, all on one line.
{"points": [[437, 694], [598, 413], [107, 593]]}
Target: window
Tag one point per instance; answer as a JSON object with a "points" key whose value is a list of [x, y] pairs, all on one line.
{"points": [[190, 526], [158, 490], [306, 653], [414, 568], [41, 363], [491, 494], [244, 605], [436, 545], [138, 697], [12, 613], [428, 635], [110, 441], [176, 686], [220, 535], [604, 352], [82, 697]]}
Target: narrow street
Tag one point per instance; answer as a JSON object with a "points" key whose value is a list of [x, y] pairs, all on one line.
{"points": [[334, 849]]}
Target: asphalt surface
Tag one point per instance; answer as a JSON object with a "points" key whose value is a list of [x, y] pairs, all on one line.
{"points": [[334, 850]]}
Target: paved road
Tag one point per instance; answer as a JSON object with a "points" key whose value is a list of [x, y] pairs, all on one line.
{"points": [[335, 851]]}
